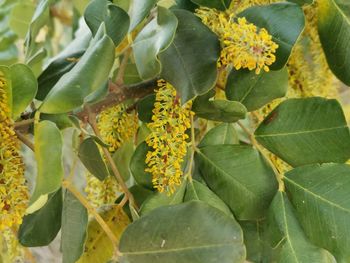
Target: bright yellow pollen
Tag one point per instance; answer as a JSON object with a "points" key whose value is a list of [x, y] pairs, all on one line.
{"points": [[116, 126], [168, 138], [13, 190], [243, 44]]}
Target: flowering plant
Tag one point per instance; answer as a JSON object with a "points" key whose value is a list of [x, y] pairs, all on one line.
{"points": [[185, 131]]}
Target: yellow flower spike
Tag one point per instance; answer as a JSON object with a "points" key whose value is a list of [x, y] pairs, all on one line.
{"points": [[243, 44], [169, 123], [116, 126], [101, 192], [13, 189]]}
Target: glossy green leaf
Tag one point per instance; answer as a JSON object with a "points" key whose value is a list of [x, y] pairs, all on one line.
{"points": [[218, 110], [320, 195], [122, 158], [189, 63], [24, 88], [48, 156], [192, 232], [305, 131], [74, 228], [138, 166], [277, 19], [185, 4], [145, 107], [138, 11], [290, 244], [197, 191], [240, 177], [54, 71], [115, 19], [254, 91], [90, 156], [224, 133], [131, 75], [41, 227], [154, 38], [161, 199], [83, 80], [217, 4], [334, 32]]}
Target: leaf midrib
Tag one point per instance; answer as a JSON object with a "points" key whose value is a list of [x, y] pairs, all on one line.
{"points": [[301, 132], [180, 249]]}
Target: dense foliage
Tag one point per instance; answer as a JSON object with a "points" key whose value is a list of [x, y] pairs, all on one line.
{"points": [[184, 131]]}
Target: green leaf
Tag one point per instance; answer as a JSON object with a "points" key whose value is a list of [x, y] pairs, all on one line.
{"points": [[277, 19], [48, 156], [115, 18], [39, 19], [154, 38], [161, 199], [40, 228], [192, 232], [138, 166], [74, 225], [55, 70], [334, 32], [217, 4], [254, 91], [218, 110], [305, 131], [189, 63], [138, 11], [62, 121], [301, 2], [20, 17], [240, 177], [290, 242], [90, 156], [122, 158], [71, 90], [145, 107], [24, 88], [224, 133], [197, 191], [320, 195], [185, 4], [254, 240]]}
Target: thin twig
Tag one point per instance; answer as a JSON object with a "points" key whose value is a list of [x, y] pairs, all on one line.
{"points": [[25, 140], [193, 150], [23, 123], [120, 180], [92, 211], [279, 177]]}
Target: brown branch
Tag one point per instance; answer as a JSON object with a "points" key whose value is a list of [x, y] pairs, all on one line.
{"points": [[120, 94]]}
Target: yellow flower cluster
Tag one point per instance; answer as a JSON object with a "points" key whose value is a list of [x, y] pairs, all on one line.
{"points": [[116, 126], [13, 190], [243, 44], [101, 192], [238, 6], [168, 138]]}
